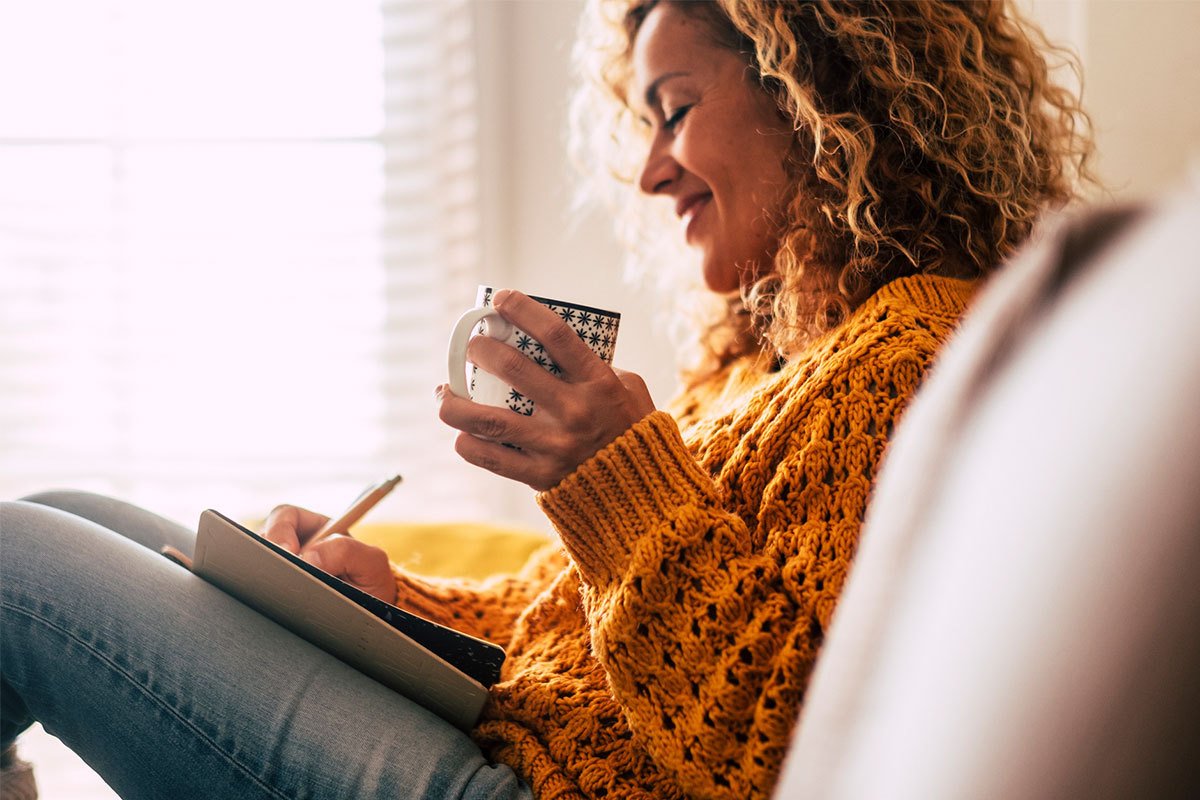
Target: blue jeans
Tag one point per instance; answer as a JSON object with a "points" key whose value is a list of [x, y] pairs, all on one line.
{"points": [[168, 687]]}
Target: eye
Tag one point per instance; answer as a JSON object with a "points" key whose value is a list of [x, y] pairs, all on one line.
{"points": [[676, 117]]}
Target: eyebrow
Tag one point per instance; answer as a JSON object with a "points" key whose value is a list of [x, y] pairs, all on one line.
{"points": [[651, 94]]}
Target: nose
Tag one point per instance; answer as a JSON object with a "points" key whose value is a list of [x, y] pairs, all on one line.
{"points": [[660, 168]]}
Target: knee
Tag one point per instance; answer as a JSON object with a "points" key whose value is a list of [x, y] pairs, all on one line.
{"points": [[26, 528], [98, 508], [65, 499], [28, 519], [39, 540], [125, 519]]}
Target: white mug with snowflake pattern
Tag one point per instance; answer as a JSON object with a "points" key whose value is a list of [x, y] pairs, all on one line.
{"points": [[596, 327]]}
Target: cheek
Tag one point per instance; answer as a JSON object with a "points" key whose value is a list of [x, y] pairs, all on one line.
{"points": [[772, 188], [703, 155], [760, 202], [763, 209]]}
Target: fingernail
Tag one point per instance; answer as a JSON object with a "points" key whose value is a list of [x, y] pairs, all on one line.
{"points": [[500, 296], [314, 558], [439, 391]]}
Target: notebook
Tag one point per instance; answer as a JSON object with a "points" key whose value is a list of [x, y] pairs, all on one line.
{"points": [[442, 669]]}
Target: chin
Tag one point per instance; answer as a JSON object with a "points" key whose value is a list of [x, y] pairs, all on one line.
{"points": [[721, 280], [724, 280], [721, 288]]}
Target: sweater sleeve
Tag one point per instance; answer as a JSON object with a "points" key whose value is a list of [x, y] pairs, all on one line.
{"points": [[705, 614], [488, 608]]}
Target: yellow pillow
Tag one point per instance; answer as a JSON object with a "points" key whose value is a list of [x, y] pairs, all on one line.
{"points": [[453, 549]]}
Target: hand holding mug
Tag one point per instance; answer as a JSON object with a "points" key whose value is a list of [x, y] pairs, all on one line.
{"points": [[596, 327], [574, 409]]}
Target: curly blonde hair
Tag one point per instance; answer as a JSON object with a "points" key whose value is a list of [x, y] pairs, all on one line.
{"points": [[928, 139]]}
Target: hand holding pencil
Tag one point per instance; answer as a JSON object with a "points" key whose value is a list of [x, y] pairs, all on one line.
{"points": [[308, 534]]}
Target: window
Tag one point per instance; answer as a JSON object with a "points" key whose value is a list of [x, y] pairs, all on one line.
{"points": [[232, 238]]}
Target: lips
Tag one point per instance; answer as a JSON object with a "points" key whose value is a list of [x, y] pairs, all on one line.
{"points": [[685, 205], [689, 209]]}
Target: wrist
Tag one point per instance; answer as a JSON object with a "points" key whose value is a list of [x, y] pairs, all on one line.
{"points": [[639, 481]]}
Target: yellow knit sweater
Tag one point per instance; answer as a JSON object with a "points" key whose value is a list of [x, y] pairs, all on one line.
{"points": [[666, 653]]}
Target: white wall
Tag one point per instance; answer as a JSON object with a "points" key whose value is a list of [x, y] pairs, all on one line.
{"points": [[1142, 84], [1141, 78], [1141, 81]]}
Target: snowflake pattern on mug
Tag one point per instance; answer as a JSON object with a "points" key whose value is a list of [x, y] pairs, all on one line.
{"points": [[597, 329]]}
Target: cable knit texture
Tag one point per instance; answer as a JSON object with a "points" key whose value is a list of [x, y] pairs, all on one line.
{"points": [[664, 650]]}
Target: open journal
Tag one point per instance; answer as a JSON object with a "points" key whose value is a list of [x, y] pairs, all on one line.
{"points": [[444, 670]]}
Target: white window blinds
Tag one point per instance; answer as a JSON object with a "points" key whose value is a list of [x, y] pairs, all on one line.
{"points": [[233, 235]]}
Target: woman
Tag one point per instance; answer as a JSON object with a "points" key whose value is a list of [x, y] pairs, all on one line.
{"points": [[843, 171]]}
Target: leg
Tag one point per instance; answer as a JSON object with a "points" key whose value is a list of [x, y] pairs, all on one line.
{"points": [[144, 527], [168, 687]]}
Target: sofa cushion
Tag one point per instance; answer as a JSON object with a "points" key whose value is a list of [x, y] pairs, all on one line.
{"points": [[1023, 617], [453, 549]]}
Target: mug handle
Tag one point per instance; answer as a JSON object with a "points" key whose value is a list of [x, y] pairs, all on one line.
{"points": [[495, 326]]}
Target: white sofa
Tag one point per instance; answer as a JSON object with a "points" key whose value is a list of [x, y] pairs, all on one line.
{"points": [[1023, 617]]}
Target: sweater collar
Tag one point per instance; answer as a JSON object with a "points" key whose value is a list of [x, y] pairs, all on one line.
{"points": [[929, 293]]}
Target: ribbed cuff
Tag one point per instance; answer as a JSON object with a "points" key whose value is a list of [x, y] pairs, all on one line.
{"points": [[623, 493]]}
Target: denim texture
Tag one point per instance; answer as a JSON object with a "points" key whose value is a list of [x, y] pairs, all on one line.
{"points": [[168, 687]]}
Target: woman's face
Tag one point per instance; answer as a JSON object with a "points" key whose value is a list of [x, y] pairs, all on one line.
{"points": [[718, 145]]}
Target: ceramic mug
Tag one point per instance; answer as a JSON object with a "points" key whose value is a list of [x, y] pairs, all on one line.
{"points": [[596, 327]]}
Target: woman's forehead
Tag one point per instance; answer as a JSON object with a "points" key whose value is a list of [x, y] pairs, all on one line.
{"points": [[670, 42]]}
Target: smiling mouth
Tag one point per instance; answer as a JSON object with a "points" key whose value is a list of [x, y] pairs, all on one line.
{"points": [[686, 206], [689, 209]]}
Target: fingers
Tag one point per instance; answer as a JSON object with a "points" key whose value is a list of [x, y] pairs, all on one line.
{"points": [[536, 450], [283, 525], [562, 344], [558, 437], [288, 526], [514, 368], [539, 471], [489, 434], [487, 422], [545, 448], [356, 562]]}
